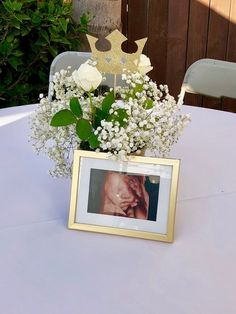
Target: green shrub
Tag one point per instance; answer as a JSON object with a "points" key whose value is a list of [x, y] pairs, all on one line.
{"points": [[32, 33]]}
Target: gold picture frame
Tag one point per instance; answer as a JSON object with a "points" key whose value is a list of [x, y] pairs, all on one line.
{"points": [[135, 198]]}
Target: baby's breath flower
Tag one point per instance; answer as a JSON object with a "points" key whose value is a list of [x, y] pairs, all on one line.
{"points": [[128, 125]]}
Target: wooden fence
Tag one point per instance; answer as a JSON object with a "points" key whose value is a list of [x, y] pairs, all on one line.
{"points": [[180, 32]]}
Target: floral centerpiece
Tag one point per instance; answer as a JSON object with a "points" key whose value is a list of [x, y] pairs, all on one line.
{"points": [[85, 113]]}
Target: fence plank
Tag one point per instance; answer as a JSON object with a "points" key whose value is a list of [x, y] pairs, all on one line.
{"points": [[217, 44], [137, 22], [218, 29], [198, 29], [231, 47], [181, 32], [176, 44], [229, 104], [197, 39], [157, 38], [124, 17]]}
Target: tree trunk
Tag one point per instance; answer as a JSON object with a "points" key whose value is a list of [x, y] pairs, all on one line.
{"points": [[105, 17]]}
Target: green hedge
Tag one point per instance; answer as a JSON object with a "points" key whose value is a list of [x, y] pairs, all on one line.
{"points": [[32, 33]]}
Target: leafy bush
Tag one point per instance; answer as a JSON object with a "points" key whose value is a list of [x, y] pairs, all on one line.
{"points": [[32, 33]]}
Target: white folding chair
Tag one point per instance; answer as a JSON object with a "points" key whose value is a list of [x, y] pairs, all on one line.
{"points": [[210, 77], [73, 59], [68, 58]]}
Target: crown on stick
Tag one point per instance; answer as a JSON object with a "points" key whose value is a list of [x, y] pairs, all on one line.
{"points": [[116, 60]]}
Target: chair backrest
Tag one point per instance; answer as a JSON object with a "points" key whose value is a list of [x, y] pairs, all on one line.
{"points": [[73, 59], [210, 77]]}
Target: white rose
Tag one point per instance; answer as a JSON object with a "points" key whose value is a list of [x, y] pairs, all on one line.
{"points": [[144, 64], [87, 77]]}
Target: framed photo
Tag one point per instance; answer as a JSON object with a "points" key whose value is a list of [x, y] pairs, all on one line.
{"points": [[135, 198]]}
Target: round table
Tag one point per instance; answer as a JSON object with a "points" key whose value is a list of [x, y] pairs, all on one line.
{"points": [[46, 268]]}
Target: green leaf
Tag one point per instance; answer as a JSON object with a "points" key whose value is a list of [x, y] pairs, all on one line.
{"points": [[25, 30], [62, 118], [83, 129], [51, 8], [53, 51], [17, 53], [23, 23], [16, 24], [119, 115], [149, 104], [24, 17], [20, 17], [138, 88], [44, 34], [36, 19], [44, 58], [63, 24], [53, 20], [41, 42], [76, 107], [14, 62], [85, 19], [61, 40], [5, 48], [16, 6], [99, 116], [10, 37], [7, 6], [108, 101], [93, 141]]}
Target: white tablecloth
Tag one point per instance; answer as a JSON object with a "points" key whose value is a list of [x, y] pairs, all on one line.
{"points": [[46, 268]]}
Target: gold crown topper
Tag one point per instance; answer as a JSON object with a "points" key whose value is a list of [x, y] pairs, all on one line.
{"points": [[116, 60]]}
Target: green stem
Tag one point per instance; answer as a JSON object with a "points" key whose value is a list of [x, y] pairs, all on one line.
{"points": [[115, 86], [92, 108]]}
